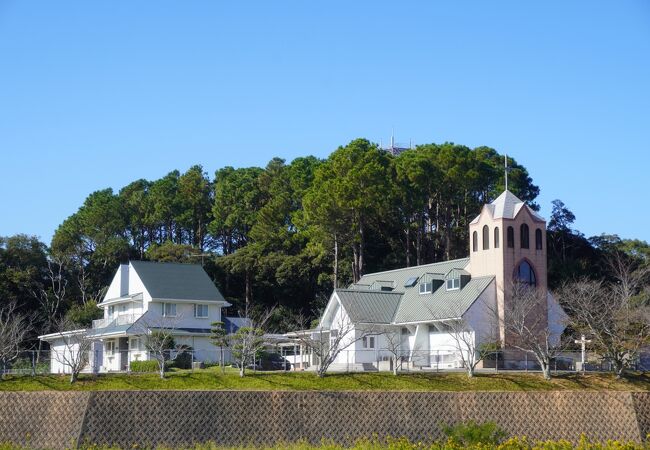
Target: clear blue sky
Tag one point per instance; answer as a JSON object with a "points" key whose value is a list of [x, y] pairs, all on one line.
{"points": [[98, 94]]}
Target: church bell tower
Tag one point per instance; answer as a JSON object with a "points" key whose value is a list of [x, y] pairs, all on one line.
{"points": [[508, 241]]}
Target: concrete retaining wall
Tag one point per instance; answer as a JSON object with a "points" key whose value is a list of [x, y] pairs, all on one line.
{"points": [[175, 418]]}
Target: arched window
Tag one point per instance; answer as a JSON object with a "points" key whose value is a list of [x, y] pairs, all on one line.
{"points": [[525, 238], [496, 237], [526, 274], [475, 241], [538, 239], [511, 237], [486, 237]]}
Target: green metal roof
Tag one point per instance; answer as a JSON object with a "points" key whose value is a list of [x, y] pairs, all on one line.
{"points": [[399, 276], [441, 303], [371, 306], [176, 281], [406, 304]]}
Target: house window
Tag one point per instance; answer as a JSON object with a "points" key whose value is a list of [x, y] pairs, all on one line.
{"points": [[511, 237], [453, 284], [111, 311], [496, 237], [169, 309], [368, 342], [475, 241], [135, 344], [201, 311], [426, 287], [334, 334], [110, 347], [525, 238], [538, 239]]}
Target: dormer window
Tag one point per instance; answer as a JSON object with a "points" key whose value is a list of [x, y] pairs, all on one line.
{"points": [[453, 284], [426, 287], [411, 282]]}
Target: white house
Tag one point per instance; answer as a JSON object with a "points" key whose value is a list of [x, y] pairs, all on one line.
{"points": [[145, 296], [424, 310]]}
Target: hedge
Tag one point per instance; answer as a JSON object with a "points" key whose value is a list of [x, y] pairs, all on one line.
{"points": [[144, 366]]}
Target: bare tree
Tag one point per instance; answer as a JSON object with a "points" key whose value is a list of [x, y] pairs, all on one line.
{"points": [[327, 344], [526, 326], [50, 295], [471, 347], [611, 314], [76, 347], [14, 328], [393, 343], [157, 335]]}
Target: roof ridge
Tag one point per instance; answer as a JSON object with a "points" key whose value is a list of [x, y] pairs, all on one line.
{"points": [[421, 265], [371, 291], [164, 262]]}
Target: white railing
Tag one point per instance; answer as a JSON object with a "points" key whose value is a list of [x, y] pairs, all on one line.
{"points": [[122, 319], [102, 323]]}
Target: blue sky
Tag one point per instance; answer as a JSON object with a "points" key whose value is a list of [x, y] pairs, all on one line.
{"points": [[98, 94]]}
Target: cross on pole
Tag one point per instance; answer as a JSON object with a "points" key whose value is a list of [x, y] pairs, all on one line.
{"points": [[583, 344]]}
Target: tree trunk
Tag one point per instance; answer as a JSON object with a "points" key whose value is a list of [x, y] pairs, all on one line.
{"points": [[242, 370], [619, 369], [73, 376], [408, 247], [249, 290], [161, 366], [418, 244], [546, 369], [336, 262], [361, 248]]}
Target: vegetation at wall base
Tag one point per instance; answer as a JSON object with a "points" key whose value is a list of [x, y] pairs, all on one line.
{"points": [[212, 379], [517, 443]]}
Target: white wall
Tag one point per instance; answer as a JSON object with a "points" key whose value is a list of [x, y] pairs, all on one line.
{"points": [[60, 353], [481, 316], [557, 318], [184, 315]]}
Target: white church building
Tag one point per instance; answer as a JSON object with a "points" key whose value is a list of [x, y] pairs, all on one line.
{"points": [[141, 297], [417, 307]]}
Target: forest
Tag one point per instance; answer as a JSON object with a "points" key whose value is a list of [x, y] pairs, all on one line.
{"points": [[286, 234]]}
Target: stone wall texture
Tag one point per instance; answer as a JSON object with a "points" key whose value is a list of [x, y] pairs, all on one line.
{"points": [[176, 418]]}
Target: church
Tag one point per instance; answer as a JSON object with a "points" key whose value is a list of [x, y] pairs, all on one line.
{"points": [[416, 308]]}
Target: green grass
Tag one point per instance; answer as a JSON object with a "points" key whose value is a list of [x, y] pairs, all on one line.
{"points": [[212, 379]]}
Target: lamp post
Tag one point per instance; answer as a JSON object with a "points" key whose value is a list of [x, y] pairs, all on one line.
{"points": [[583, 345]]}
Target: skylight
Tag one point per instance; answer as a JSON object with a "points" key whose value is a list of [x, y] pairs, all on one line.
{"points": [[411, 282]]}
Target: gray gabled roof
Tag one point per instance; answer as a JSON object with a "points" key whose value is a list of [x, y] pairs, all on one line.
{"points": [[372, 306], [441, 304], [176, 281], [399, 276], [406, 304]]}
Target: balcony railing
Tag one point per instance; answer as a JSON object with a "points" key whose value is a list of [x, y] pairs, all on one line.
{"points": [[122, 319]]}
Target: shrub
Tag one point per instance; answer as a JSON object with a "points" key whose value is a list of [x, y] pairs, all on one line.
{"points": [[183, 358], [472, 434], [144, 366]]}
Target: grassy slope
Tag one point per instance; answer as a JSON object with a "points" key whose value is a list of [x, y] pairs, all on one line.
{"points": [[212, 379]]}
